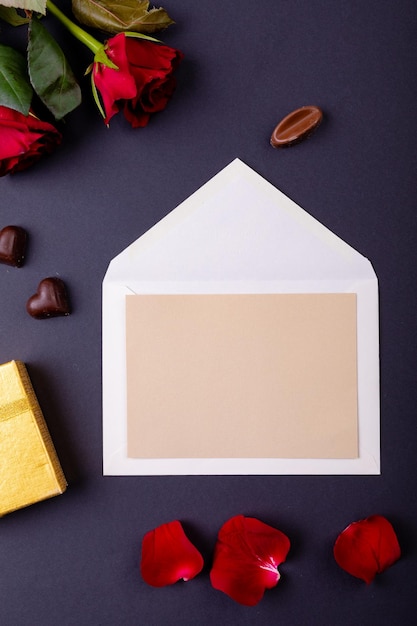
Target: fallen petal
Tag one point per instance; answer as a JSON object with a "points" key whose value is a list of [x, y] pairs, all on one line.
{"points": [[168, 556], [246, 559], [367, 547]]}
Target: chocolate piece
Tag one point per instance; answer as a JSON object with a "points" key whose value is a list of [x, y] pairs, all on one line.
{"points": [[29, 467], [50, 300], [296, 126], [13, 245]]}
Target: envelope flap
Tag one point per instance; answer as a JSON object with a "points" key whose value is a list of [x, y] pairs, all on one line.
{"points": [[238, 227]]}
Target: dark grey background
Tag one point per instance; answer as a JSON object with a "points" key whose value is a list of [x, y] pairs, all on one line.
{"points": [[73, 560]]}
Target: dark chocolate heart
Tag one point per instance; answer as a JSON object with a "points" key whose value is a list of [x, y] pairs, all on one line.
{"points": [[13, 245], [50, 300]]}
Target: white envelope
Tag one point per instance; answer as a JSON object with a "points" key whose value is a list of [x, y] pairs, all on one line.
{"points": [[238, 234]]}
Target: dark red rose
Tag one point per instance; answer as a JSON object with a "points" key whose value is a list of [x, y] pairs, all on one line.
{"points": [[144, 82], [24, 139]]}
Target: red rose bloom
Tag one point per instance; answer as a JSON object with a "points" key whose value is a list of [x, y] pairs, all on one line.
{"points": [[24, 139], [143, 82]]}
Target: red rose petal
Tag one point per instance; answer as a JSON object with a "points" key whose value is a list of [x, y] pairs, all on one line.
{"points": [[168, 555], [367, 547], [246, 559]]}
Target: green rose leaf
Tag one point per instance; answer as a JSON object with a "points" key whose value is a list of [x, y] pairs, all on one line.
{"points": [[15, 90], [39, 6], [12, 17], [49, 72], [116, 16]]}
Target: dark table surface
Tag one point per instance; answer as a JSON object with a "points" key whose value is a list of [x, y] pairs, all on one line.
{"points": [[73, 560]]}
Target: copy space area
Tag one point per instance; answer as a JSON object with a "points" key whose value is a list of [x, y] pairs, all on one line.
{"points": [[241, 376]]}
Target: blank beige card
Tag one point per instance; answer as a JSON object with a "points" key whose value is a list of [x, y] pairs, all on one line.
{"points": [[242, 376]]}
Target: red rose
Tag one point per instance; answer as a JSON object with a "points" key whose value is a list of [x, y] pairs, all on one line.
{"points": [[24, 140], [144, 82]]}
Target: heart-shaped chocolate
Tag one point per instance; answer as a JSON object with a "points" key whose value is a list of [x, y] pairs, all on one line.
{"points": [[13, 245], [50, 300]]}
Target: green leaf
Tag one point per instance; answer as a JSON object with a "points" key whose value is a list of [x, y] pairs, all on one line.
{"points": [[49, 72], [15, 90], [116, 16], [39, 6], [12, 17]]}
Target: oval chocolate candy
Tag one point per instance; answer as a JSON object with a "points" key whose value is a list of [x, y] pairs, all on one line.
{"points": [[296, 126]]}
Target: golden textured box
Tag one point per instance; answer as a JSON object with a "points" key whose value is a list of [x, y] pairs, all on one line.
{"points": [[29, 467]]}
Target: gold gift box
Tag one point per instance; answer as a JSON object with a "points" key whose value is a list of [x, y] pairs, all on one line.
{"points": [[29, 467]]}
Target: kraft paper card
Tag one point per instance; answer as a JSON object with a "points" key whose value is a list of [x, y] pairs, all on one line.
{"points": [[239, 238], [243, 375]]}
